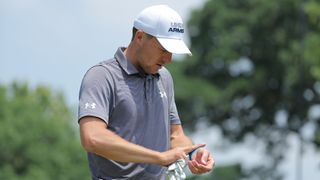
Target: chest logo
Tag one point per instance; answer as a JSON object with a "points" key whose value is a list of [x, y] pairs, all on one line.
{"points": [[163, 94]]}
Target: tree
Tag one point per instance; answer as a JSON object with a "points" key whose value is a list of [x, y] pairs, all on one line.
{"points": [[37, 139], [261, 63]]}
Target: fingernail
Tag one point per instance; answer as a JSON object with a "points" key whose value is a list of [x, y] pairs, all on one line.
{"points": [[203, 161]]}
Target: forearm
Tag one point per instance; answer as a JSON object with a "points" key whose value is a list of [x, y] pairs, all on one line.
{"points": [[114, 147], [180, 141], [178, 138], [96, 138], [111, 146]]}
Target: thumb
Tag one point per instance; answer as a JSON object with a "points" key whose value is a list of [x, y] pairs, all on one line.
{"points": [[188, 149]]}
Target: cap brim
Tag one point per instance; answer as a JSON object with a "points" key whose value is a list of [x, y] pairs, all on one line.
{"points": [[175, 46]]}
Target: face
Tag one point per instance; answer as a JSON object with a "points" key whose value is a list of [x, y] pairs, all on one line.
{"points": [[152, 56]]}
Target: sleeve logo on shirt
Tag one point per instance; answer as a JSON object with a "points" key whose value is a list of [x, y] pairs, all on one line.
{"points": [[90, 105]]}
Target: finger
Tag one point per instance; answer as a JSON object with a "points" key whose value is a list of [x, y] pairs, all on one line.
{"points": [[210, 159], [186, 157], [202, 156], [190, 148], [201, 168], [182, 155], [208, 167], [205, 168], [211, 162], [193, 167]]}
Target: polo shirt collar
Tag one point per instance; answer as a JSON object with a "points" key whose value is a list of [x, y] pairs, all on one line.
{"points": [[126, 64]]}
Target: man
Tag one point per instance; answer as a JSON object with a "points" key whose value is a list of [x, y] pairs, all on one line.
{"points": [[129, 124]]}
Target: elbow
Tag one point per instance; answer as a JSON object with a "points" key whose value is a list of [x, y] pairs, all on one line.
{"points": [[92, 131], [89, 143]]}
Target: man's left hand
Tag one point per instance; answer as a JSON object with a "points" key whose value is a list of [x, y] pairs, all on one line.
{"points": [[201, 162]]}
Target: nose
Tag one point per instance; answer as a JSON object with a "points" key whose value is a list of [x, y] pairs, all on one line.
{"points": [[167, 57]]}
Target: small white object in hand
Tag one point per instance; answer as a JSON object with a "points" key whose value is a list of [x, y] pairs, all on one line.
{"points": [[175, 170]]}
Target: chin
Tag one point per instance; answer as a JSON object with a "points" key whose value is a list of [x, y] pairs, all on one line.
{"points": [[154, 72]]}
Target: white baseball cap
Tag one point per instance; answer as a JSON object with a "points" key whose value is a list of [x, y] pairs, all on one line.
{"points": [[166, 25]]}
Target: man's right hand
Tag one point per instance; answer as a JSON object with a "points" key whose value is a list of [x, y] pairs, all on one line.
{"points": [[172, 155]]}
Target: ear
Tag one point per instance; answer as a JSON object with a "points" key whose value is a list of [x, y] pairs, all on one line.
{"points": [[138, 36]]}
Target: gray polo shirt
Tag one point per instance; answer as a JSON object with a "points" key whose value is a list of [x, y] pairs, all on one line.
{"points": [[140, 108]]}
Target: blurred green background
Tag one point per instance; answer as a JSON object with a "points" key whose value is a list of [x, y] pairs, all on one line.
{"points": [[253, 79]]}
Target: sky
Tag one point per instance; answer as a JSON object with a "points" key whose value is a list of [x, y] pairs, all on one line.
{"points": [[54, 42]]}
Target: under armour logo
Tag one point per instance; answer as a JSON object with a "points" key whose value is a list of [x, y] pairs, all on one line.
{"points": [[163, 94], [90, 105]]}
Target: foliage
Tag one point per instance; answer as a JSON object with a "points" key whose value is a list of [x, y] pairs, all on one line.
{"points": [[260, 61], [37, 140], [231, 172]]}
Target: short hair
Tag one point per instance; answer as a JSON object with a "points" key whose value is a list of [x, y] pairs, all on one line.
{"points": [[134, 31]]}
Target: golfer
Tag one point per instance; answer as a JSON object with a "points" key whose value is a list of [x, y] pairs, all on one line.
{"points": [[128, 119]]}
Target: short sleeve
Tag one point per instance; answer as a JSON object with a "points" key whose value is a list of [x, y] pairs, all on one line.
{"points": [[95, 95], [169, 86], [173, 112]]}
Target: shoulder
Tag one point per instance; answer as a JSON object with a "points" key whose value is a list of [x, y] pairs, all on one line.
{"points": [[110, 63], [166, 79], [165, 74], [100, 73], [103, 68]]}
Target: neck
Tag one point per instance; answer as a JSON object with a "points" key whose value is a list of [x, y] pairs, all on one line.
{"points": [[130, 54]]}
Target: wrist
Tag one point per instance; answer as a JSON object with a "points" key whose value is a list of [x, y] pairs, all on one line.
{"points": [[160, 159]]}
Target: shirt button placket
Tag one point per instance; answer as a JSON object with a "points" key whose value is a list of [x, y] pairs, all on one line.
{"points": [[148, 88]]}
